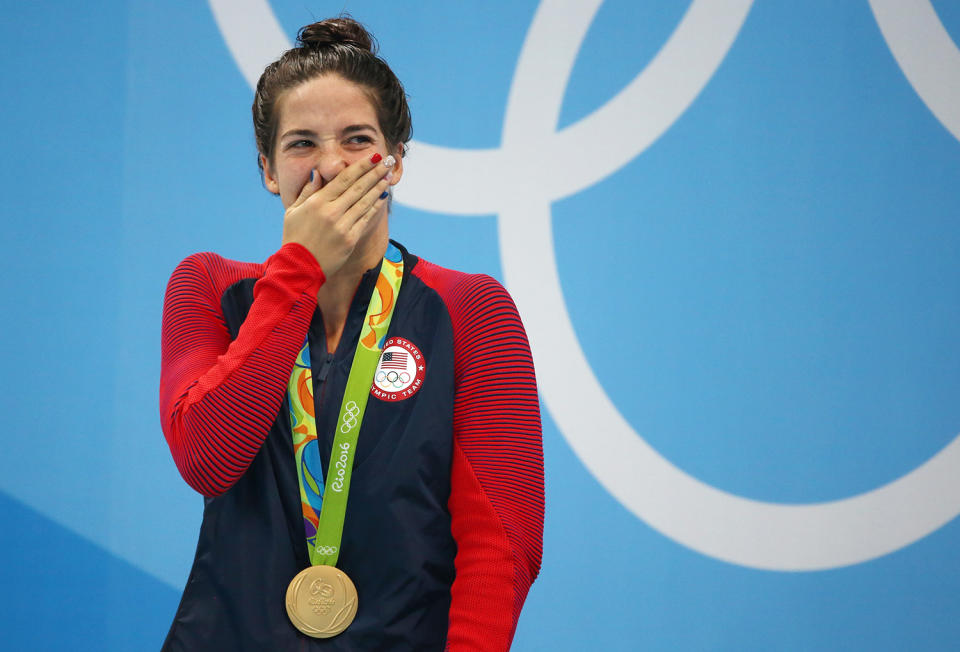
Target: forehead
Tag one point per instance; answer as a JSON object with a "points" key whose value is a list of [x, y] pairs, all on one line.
{"points": [[325, 103]]}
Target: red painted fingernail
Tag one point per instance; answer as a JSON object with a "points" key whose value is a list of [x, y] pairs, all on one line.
{"points": [[375, 158]]}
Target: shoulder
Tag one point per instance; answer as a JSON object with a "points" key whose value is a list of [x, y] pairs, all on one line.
{"points": [[216, 265], [213, 271], [465, 295]]}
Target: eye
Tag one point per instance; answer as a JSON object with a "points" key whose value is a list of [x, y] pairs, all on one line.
{"points": [[303, 142], [359, 139]]}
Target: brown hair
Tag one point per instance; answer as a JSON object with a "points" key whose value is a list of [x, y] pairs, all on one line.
{"points": [[340, 46]]}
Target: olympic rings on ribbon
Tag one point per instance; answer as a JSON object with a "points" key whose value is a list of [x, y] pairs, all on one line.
{"points": [[351, 411], [326, 550]]}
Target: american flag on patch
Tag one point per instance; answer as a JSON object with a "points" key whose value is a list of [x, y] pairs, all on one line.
{"points": [[393, 360]]}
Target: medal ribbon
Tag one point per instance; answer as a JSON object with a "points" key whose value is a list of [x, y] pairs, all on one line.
{"points": [[325, 506]]}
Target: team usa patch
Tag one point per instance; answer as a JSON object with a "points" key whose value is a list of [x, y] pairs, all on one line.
{"points": [[400, 371]]}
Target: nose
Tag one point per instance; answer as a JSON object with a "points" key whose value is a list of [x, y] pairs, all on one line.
{"points": [[329, 162]]}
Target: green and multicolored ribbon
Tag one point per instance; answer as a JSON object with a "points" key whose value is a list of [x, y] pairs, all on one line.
{"points": [[325, 504]]}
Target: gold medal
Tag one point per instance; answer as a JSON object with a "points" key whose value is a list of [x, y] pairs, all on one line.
{"points": [[321, 601]]}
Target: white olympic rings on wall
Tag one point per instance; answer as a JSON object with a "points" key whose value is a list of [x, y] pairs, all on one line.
{"points": [[482, 181], [926, 55]]}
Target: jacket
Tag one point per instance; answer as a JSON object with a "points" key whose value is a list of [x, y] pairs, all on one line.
{"points": [[444, 522]]}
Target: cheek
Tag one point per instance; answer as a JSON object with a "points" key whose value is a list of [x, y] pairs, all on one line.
{"points": [[291, 184], [352, 157]]}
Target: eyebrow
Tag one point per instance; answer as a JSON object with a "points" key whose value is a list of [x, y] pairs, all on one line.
{"points": [[360, 127], [346, 130], [298, 132]]}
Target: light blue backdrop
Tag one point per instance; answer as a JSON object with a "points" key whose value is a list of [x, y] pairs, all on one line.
{"points": [[742, 291]]}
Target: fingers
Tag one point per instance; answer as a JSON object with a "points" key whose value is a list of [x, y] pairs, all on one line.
{"points": [[368, 190], [350, 185], [362, 187], [361, 214], [310, 187], [354, 180]]}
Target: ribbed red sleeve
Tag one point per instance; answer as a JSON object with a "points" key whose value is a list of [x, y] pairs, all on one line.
{"points": [[496, 493], [218, 398]]}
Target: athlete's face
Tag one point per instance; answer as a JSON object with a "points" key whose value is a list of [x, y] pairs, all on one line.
{"points": [[325, 124]]}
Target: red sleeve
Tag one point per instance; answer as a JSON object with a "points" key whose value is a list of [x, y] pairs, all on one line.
{"points": [[496, 492], [218, 398]]}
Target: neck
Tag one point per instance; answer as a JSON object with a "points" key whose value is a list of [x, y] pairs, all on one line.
{"points": [[336, 294]]}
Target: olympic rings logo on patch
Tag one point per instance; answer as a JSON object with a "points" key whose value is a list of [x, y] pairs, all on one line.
{"points": [[350, 414], [392, 379], [326, 550], [400, 371]]}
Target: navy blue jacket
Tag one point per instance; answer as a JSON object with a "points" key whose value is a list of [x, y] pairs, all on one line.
{"points": [[228, 428]]}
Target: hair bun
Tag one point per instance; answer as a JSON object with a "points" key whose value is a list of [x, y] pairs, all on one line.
{"points": [[332, 31]]}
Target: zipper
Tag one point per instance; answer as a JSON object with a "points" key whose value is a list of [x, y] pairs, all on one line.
{"points": [[319, 389], [324, 370]]}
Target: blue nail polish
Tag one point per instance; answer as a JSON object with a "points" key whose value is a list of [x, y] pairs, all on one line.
{"points": [[311, 176], [383, 195]]}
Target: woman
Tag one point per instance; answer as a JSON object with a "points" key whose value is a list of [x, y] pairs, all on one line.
{"points": [[441, 535]]}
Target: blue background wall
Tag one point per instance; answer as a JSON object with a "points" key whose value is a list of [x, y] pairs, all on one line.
{"points": [[764, 291]]}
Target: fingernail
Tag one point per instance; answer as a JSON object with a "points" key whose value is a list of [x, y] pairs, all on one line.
{"points": [[389, 176], [389, 161], [375, 158], [384, 194], [311, 175]]}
